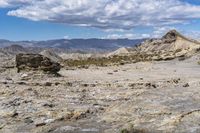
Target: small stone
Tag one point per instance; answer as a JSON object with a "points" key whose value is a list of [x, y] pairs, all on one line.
{"points": [[48, 121], [186, 85], [21, 83], [154, 86], [85, 85], [93, 85], [57, 83], [30, 89], [39, 123], [50, 105], [110, 73], [28, 120], [2, 126], [14, 114], [48, 84], [24, 75], [8, 78]]}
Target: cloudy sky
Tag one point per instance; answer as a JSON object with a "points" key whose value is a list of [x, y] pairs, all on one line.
{"points": [[51, 19]]}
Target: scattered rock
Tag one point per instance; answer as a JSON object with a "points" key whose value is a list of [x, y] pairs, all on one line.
{"points": [[48, 84], [176, 81], [186, 85], [8, 78], [110, 73], [50, 105], [57, 83], [28, 120], [48, 121], [39, 123], [2, 126], [8, 113]]}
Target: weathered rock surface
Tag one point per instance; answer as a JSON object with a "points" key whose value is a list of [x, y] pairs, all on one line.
{"points": [[36, 62], [149, 97], [171, 43], [143, 97]]}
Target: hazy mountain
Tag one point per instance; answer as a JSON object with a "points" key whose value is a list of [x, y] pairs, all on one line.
{"points": [[91, 45]]}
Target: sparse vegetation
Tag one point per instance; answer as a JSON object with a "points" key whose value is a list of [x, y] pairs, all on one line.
{"points": [[115, 60]]}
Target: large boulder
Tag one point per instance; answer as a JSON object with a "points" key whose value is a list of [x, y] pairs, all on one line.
{"points": [[36, 62]]}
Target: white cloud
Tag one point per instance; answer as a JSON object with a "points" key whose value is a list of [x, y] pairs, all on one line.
{"points": [[14, 3], [192, 34], [127, 35], [66, 37], [160, 31], [105, 14], [3, 3]]}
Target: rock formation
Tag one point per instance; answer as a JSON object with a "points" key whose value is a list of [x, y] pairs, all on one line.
{"points": [[36, 62], [120, 52], [170, 46], [51, 55], [173, 41]]}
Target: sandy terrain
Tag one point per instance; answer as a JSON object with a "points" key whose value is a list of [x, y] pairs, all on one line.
{"points": [[148, 96]]}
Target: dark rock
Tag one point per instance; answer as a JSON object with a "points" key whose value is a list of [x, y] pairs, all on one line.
{"points": [[50, 105], [57, 83], [110, 73], [28, 120], [14, 114], [40, 124], [48, 84], [36, 62], [170, 36], [186, 85]]}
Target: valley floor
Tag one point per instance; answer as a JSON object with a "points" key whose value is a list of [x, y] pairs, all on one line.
{"points": [[147, 96]]}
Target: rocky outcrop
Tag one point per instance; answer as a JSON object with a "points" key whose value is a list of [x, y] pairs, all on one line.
{"points": [[36, 62], [172, 42], [119, 52], [172, 45], [51, 55]]}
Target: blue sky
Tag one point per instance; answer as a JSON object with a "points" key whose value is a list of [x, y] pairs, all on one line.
{"points": [[43, 20]]}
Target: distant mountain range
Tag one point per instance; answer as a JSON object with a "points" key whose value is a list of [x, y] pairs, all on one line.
{"points": [[84, 45]]}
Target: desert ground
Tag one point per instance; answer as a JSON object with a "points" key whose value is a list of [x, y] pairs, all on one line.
{"points": [[149, 97]]}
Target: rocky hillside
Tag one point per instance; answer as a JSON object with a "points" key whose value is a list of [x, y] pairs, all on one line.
{"points": [[172, 42], [16, 49], [170, 46]]}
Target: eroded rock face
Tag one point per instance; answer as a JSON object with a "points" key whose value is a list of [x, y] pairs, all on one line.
{"points": [[171, 35], [36, 62]]}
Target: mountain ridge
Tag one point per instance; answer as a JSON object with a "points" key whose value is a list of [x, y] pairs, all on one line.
{"points": [[91, 45]]}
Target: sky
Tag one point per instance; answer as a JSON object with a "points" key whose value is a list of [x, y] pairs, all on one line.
{"points": [[68, 19]]}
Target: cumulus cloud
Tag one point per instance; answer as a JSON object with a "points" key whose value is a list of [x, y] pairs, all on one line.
{"points": [[105, 14], [160, 31], [193, 34], [13, 3]]}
